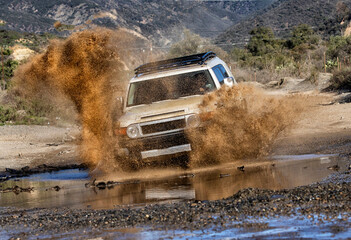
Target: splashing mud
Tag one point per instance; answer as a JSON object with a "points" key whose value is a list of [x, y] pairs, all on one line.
{"points": [[87, 69], [82, 68], [241, 122]]}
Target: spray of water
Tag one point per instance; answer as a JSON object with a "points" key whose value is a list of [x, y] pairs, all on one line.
{"points": [[241, 122]]}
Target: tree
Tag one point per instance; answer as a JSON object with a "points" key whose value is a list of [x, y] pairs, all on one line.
{"points": [[7, 66], [302, 34], [339, 46], [262, 41]]}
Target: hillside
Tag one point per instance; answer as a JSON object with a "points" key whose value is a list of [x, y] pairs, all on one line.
{"points": [[325, 16], [153, 19]]}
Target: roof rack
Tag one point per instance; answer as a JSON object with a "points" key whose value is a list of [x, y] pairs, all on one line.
{"points": [[174, 63]]}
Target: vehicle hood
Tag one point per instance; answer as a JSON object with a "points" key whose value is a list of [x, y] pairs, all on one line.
{"points": [[161, 110]]}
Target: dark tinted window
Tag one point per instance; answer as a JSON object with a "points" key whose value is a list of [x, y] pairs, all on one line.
{"points": [[171, 87], [220, 72]]}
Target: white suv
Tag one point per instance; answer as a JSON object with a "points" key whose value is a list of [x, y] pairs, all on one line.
{"points": [[163, 101]]}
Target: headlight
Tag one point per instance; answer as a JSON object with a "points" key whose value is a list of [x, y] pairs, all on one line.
{"points": [[132, 131], [193, 121]]}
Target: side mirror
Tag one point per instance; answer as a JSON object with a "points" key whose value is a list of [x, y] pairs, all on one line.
{"points": [[229, 81]]}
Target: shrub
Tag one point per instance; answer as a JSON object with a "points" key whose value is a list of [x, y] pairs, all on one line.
{"points": [[313, 77], [341, 80], [302, 34], [7, 114], [339, 47], [8, 71], [262, 41]]}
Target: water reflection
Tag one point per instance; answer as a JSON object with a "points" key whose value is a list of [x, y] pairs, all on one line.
{"points": [[218, 183]]}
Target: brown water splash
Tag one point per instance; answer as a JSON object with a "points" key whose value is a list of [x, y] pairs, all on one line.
{"points": [[243, 123], [82, 68]]}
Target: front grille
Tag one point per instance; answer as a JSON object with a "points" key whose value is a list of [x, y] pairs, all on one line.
{"points": [[164, 126]]}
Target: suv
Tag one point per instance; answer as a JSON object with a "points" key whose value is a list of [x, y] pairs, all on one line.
{"points": [[163, 101]]}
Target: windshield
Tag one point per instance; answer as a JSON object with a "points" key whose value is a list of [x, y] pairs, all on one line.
{"points": [[171, 87]]}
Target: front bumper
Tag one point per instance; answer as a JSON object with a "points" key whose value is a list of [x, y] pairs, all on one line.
{"points": [[155, 146], [165, 151]]}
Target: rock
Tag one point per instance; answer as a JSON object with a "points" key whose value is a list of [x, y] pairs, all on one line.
{"points": [[334, 167], [101, 185], [223, 175], [56, 188], [241, 168], [20, 114]]}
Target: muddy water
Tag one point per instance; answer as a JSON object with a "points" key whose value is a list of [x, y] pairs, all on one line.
{"points": [[203, 184]]}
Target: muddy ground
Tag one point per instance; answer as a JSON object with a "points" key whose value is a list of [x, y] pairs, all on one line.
{"points": [[321, 209]]}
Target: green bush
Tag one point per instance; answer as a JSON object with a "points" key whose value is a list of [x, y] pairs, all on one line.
{"points": [[23, 111], [7, 114], [263, 41], [302, 34], [339, 47], [8, 71]]}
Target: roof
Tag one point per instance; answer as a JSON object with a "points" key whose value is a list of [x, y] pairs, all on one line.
{"points": [[174, 63]]}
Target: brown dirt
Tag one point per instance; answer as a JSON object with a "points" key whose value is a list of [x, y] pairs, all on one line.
{"points": [[22, 146], [324, 128]]}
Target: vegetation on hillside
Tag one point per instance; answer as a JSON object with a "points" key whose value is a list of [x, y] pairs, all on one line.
{"points": [[295, 56], [14, 109], [33, 41], [21, 111], [7, 67], [326, 17], [264, 58], [304, 54], [9, 39]]}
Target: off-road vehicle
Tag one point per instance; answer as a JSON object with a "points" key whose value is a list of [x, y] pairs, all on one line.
{"points": [[163, 100]]}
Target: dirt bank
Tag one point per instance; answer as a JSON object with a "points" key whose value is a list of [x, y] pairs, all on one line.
{"points": [[323, 128], [22, 146]]}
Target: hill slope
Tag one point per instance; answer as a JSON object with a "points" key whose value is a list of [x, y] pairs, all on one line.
{"points": [[150, 18], [324, 16]]}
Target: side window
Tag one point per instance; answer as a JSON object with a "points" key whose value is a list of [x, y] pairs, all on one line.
{"points": [[220, 72]]}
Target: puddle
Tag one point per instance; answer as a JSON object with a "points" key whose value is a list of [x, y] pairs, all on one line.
{"points": [[276, 228], [207, 184], [70, 174]]}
